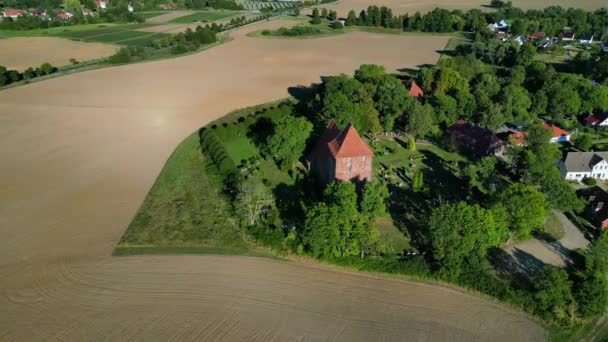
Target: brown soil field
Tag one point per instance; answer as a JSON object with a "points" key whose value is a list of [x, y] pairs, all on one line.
{"points": [[21, 53], [79, 154], [169, 16], [411, 6]]}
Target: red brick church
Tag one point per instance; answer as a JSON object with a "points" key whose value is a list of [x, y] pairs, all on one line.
{"points": [[341, 155]]}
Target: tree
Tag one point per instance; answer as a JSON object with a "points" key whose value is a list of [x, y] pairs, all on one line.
{"points": [[324, 13], [584, 142], [540, 154], [351, 19], [315, 16], [418, 181], [252, 196], [373, 203], [559, 193], [46, 68], [597, 98], [516, 102], [346, 100], [73, 6], [333, 228], [481, 173], [492, 116], [391, 100], [591, 295], [29, 73], [526, 54], [459, 230], [553, 293], [420, 121], [526, 208], [332, 15], [287, 143]]}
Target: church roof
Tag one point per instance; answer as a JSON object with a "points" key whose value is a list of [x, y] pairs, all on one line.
{"points": [[415, 90], [340, 143]]}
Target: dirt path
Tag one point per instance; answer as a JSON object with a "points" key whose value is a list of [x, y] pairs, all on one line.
{"points": [[79, 154], [161, 19]]}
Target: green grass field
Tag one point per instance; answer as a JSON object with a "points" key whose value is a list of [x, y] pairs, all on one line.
{"points": [[152, 14], [204, 16], [184, 213], [125, 35]]}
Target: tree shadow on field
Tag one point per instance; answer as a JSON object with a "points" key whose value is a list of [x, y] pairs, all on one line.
{"points": [[302, 93]]}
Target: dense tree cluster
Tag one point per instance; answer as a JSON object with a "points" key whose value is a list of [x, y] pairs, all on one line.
{"points": [[11, 76]]}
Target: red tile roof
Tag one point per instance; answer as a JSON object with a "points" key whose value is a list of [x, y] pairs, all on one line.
{"points": [[339, 144], [415, 90], [556, 131], [349, 144], [64, 15], [536, 35], [569, 35], [12, 13], [477, 140]]}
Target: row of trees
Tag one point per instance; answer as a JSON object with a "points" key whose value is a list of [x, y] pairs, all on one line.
{"points": [[10, 76], [551, 20]]}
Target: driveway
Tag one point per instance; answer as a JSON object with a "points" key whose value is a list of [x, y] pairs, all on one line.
{"points": [[533, 254]]}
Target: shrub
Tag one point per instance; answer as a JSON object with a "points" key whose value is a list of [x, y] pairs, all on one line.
{"points": [[590, 181]]}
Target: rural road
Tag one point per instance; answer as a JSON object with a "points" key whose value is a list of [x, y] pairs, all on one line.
{"points": [[80, 152]]}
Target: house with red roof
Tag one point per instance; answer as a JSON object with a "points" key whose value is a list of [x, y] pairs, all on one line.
{"points": [[415, 90], [341, 155], [536, 35], [64, 15], [596, 208], [597, 120], [476, 140], [558, 135], [13, 14]]}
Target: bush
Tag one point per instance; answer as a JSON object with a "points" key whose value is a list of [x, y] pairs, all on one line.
{"points": [[296, 31], [590, 181]]}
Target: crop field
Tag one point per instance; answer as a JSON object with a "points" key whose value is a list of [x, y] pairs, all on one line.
{"points": [[113, 35], [23, 52], [152, 14], [204, 16], [80, 153], [258, 5]]}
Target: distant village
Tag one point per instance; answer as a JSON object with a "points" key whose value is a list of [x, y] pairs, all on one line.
{"points": [[60, 14], [542, 40]]}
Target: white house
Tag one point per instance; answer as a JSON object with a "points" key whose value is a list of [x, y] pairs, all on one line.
{"points": [[585, 39], [498, 26], [521, 40], [581, 165]]}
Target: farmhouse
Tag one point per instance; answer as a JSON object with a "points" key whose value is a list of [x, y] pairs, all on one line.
{"points": [[558, 135], [474, 139], [585, 39], [415, 90], [568, 36], [13, 14], [341, 155], [596, 207], [597, 120], [581, 165], [521, 40]]}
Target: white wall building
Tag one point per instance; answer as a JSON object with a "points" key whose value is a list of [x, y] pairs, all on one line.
{"points": [[581, 165]]}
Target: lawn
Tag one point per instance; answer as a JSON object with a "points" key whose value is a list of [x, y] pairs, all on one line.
{"points": [[152, 14], [118, 36], [204, 16], [184, 212], [392, 236], [553, 227]]}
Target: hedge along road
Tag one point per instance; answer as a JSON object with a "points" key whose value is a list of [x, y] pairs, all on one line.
{"points": [[79, 154]]}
